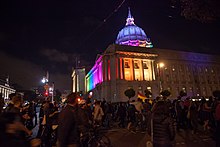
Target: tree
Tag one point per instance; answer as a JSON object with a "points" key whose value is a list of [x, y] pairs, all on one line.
{"points": [[129, 93], [147, 93], [165, 93], [201, 10], [182, 93], [216, 93]]}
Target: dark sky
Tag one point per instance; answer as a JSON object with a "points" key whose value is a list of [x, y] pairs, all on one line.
{"points": [[36, 36]]}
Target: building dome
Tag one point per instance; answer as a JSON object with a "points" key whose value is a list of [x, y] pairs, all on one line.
{"points": [[133, 35]]}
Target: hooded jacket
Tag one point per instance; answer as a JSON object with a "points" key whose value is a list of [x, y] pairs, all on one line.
{"points": [[163, 129]]}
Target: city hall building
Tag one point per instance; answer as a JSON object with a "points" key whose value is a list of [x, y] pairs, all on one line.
{"points": [[132, 62]]}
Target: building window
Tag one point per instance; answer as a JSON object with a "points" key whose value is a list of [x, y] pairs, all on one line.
{"points": [[126, 64], [147, 71], [145, 65], [127, 70], [136, 65], [137, 71], [181, 68]]}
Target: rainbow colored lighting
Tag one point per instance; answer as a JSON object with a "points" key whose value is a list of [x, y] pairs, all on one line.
{"points": [[137, 43], [95, 76]]}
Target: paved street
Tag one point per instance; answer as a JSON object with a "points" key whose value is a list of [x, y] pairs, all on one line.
{"points": [[123, 137]]}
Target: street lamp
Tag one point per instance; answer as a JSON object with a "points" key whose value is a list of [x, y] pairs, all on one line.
{"points": [[161, 65], [49, 88], [51, 91], [44, 80]]}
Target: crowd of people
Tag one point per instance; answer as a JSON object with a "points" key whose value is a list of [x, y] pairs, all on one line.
{"points": [[63, 125]]}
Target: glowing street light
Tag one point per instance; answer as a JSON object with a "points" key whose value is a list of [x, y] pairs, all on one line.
{"points": [[161, 65], [45, 80]]}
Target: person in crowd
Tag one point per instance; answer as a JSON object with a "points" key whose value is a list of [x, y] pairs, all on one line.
{"points": [[15, 108], [180, 113], [217, 118], [98, 113], [108, 114], [2, 103], [205, 113], [103, 106], [50, 115], [163, 126], [41, 116], [211, 104], [192, 115], [186, 119], [53, 124], [83, 117], [68, 135], [35, 113], [139, 115], [9, 131], [87, 108], [121, 114], [146, 112], [83, 122], [131, 110]]}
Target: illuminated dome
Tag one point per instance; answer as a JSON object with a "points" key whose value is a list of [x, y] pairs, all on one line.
{"points": [[133, 35]]}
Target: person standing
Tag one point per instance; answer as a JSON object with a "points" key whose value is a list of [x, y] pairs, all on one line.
{"points": [[121, 114], [68, 135], [2, 103], [217, 118], [163, 125], [98, 113]]}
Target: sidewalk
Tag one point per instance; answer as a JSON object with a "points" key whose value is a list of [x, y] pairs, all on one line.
{"points": [[123, 137]]}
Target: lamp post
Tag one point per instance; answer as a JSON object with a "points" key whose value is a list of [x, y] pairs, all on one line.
{"points": [[46, 86], [48, 89], [159, 68], [51, 91]]}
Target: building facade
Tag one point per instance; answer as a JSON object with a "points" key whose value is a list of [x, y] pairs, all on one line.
{"points": [[78, 79], [132, 63], [5, 89]]}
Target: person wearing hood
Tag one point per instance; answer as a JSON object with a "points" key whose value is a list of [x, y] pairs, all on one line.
{"points": [[163, 125]]}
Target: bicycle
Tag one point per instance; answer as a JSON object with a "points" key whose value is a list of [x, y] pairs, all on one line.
{"points": [[95, 137]]}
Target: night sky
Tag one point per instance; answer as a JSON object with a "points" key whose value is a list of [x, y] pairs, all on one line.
{"points": [[39, 36]]}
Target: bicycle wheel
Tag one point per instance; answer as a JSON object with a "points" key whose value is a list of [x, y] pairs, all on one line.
{"points": [[103, 141]]}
